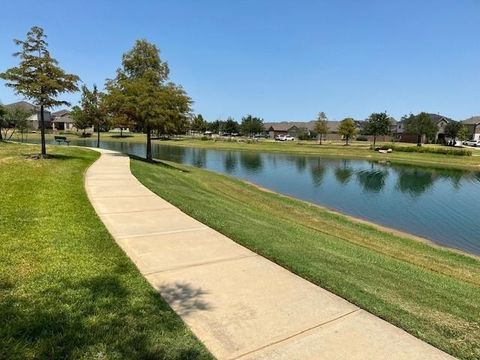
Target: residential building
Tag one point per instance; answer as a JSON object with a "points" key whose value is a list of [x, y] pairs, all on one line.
{"points": [[62, 121], [34, 119], [473, 125], [294, 128], [439, 137]]}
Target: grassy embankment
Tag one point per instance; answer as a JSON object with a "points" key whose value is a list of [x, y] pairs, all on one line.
{"points": [[66, 289], [431, 292], [357, 150]]}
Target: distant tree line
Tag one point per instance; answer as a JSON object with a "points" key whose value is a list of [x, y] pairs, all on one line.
{"points": [[249, 126]]}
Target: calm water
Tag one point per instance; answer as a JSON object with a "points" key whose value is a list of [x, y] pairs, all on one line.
{"points": [[441, 205]]}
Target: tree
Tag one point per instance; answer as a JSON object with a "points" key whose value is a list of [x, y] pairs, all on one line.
{"points": [[15, 119], [463, 134], [230, 126], [2, 120], [38, 76], [377, 124], [80, 119], [216, 126], [90, 111], [347, 129], [321, 126], [452, 129], [141, 94], [420, 125], [252, 125], [198, 124]]}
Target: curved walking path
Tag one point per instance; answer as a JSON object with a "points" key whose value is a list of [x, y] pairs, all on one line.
{"points": [[239, 304]]}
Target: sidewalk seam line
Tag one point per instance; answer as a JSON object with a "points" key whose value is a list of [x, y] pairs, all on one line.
{"points": [[136, 211], [201, 264], [160, 233], [295, 335]]}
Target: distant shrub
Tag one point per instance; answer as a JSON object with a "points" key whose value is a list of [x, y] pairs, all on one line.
{"points": [[427, 149], [361, 138], [205, 138]]}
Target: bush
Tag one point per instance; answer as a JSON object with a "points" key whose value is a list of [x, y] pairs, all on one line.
{"points": [[361, 138], [205, 138], [428, 149]]}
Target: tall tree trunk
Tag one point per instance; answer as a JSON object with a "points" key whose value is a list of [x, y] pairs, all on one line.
{"points": [[320, 139], [121, 131], [42, 132], [98, 135], [419, 140], [346, 138], [1, 136], [374, 141], [149, 144]]}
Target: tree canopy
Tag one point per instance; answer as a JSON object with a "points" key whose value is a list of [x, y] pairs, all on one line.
{"points": [[141, 94], [452, 129], [251, 125], [377, 124], [2, 120], [38, 76], [14, 119], [420, 125], [321, 126], [463, 134], [347, 129], [198, 124]]}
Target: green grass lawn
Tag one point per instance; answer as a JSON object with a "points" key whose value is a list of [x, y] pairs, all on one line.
{"points": [[67, 291], [431, 292]]}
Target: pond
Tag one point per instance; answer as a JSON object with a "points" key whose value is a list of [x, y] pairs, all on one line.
{"points": [[437, 204]]}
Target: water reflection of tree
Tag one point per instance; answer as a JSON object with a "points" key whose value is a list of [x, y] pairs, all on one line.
{"points": [[251, 161], [372, 180], [171, 153], [414, 181], [317, 171], [343, 173], [199, 157], [300, 163], [230, 161]]}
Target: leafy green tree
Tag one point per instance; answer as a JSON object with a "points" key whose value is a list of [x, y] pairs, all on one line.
{"points": [[216, 126], [251, 125], [38, 76], [141, 94], [321, 126], [92, 111], [347, 129], [377, 124], [2, 120], [80, 119], [230, 126], [420, 125], [452, 129], [16, 119], [198, 124], [463, 134]]}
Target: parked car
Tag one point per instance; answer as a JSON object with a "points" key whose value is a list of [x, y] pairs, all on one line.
{"points": [[284, 138], [473, 143]]}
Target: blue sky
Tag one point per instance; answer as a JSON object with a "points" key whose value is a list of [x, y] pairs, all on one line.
{"points": [[280, 60]]}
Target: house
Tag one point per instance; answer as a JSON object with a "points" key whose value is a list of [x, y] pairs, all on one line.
{"points": [[62, 121], [439, 120], [294, 128], [34, 119], [473, 125]]}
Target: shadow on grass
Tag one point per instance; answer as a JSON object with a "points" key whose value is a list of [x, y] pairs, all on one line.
{"points": [[160, 163], [100, 317]]}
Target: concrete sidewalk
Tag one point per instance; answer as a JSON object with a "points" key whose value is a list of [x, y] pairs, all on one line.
{"points": [[240, 305]]}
